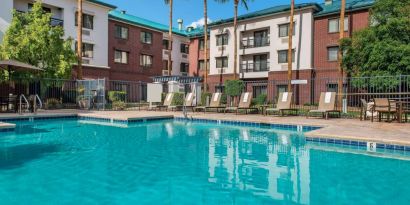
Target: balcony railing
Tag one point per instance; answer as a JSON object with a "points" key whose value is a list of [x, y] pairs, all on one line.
{"points": [[255, 42], [53, 21], [255, 67]]}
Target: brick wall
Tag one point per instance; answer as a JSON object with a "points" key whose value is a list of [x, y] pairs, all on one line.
{"points": [[195, 55], [323, 39], [132, 71]]}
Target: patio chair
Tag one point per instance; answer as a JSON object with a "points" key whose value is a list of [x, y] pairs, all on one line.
{"points": [[327, 104], [215, 102], [167, 102], [366, 110], [244, 104], [188, 103], [383, 107], [284, 104]]}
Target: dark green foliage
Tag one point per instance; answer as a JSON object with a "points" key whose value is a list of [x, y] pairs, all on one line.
{"points": [[204, 97], [178, 99], [383, 49], [31, 39], [259, 100], [115, 96], [234, 87]]}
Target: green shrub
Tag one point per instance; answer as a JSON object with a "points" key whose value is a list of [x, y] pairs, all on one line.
{"points": [[119, 105], [178, 99], [224, 99], [234, 87], [53, 103], [114, 96], [259, 100], [204, 96]]}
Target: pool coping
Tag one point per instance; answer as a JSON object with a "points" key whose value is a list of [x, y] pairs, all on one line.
{"points": [[306, 129]]}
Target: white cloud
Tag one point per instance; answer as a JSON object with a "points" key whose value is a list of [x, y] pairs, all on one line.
{"points": [[199, 23]]}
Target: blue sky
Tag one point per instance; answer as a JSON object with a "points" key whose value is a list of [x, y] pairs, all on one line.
{"points": [[191, 10]]}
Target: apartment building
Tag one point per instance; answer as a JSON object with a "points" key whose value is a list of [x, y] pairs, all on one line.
{"points": [[95, 28], [326, 38], [197, 52], [263, 44]]}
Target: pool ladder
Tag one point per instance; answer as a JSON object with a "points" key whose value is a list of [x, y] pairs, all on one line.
{"points": [[22, 97]]}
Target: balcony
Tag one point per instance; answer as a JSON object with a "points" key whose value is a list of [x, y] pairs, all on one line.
{"points": [[53, 21], [255, 42], [255, 67]]}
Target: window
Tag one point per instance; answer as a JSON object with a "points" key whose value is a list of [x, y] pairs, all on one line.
{"points": [[283, 56], [333, 25], [145, 60], [332, 87], [260, 62], [332, 53], [222, 40], [88, 21], [222, 62], [120, 56], [259, 90], [184, 67], [261, 38], [184, 48], [284, 30], [87, 50], [121, 32], [165, 44], [202, 44], [165, 63], [201, 65], [146, 37]]}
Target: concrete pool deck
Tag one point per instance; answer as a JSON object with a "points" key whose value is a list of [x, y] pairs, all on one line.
{"points": [[349, 129]]}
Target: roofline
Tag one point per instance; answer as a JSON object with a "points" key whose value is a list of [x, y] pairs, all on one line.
{"points": [[368, 6], [114, 18], [102, 4], [230, 20]]}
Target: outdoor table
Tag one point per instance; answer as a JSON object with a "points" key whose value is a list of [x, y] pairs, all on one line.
{"points": [[263, 109]]}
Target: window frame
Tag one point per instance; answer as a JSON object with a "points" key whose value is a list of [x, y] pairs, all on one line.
{"points": [[122, 52], [143, 38], [287, 31], [286, 51], [84, 50], [337, 19], [224, 41], [184, 48], [142, 60], [121, 31], [224, 60], [84, 16], [337, 53]]}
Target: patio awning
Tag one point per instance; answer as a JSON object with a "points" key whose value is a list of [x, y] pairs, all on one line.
{"points": [[17, 66], [180, 79]]}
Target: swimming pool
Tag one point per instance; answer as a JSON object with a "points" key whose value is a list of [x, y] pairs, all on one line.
{"points": [[70, 161]]}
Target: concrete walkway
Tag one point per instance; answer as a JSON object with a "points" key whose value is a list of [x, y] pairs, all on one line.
{"points": [[354, 129]]}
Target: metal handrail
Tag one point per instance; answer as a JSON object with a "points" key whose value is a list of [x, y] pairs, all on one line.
{"points": [[20, 106], [39, 101]]}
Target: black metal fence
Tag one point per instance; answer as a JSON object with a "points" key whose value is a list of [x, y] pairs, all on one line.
{"points": [[58, 94]]}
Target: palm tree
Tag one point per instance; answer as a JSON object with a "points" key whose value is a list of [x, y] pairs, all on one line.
{"points": [[290, 53], [80, 38], [340, 53], [206, 44], [235, 27], [169, 2]]}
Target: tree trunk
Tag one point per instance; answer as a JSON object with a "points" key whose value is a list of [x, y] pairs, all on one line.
{"points": [[80, 39], [206, 45], [170, 39], [290, 53], [340, 53], [235, 39]]}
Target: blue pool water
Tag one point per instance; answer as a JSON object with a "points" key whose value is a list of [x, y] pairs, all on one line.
{"points": [[174, 162]]}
